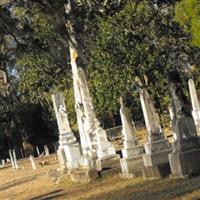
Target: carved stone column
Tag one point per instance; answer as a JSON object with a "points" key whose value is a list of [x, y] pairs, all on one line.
{"points": [[157, 148], [131, 163], [195, 105], [69, 153]]}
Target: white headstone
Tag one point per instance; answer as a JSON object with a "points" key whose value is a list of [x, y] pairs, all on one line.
{"points": [[38, 152], [3, 162], [15, 159], [46, 150], [32, 162], [69, 150], [195, 105], [93, 137], [151, 117], [11, 158], [131, 162], [172, 118]]}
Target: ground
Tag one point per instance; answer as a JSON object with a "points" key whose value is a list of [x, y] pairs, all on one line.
{"points": [[26, 184]]}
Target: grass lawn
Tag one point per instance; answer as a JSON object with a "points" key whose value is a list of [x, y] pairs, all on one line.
{"points": [[26, 183]]}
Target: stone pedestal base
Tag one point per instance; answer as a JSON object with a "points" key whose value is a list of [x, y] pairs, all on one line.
{"points": [[69, 157], [186, 161], [105, 150], [159, 171], [73, 156], [131, 167], [83, 175], [156, 162], [62, 159], [108, 162]]}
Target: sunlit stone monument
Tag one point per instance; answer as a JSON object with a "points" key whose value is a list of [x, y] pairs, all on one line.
{"points": [[69, 153], [195, 105], [131, 163], [171, 114], [157, 147], [94, 139], [185, 157]]}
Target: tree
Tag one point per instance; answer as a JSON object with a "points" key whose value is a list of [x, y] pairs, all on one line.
{"points": [[188, 15], [143, 41]]}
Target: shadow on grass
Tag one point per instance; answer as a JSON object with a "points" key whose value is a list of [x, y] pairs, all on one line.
{"points": [[164, 189], [50, 195], [17, 182]]}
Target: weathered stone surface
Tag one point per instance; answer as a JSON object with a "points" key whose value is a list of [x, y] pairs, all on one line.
{"points": [[131, 166], [108, 162], [184, 160], [131, 163], [157, 147], [156, 171], [83, 175], [195, 105], [62, 158], [69, 154], [127, 176], [93, 137]]}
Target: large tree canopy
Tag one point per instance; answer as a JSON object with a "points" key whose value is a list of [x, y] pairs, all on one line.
{"points": [[188, 15], [144, 41], [120, 41]]}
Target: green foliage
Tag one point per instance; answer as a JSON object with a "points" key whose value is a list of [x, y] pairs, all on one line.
{"points": [[188, 15], [139, 41]]}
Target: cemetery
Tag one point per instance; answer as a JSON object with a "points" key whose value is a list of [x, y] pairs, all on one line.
{"points": [[99, 100]]}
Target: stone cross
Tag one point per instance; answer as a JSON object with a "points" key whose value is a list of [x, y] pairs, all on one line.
{"points": [[195, 105]]}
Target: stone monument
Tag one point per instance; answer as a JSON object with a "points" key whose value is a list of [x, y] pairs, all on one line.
{"points": [[157, 147], [195, 105], [131, 163], [11, 158], [94, 139], [184, 159], [33, 164], [69, 153], [172, 118]]}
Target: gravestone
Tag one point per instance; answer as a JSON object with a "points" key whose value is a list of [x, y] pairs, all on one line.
{"points": [[3, 162], [185, 157], [157, 147], [33, 164], [46, 150], [15, 159], [172, 118], [131, 163], [38, 152], [69, 153], [11, 158], [195, 105], [94, 139]]}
